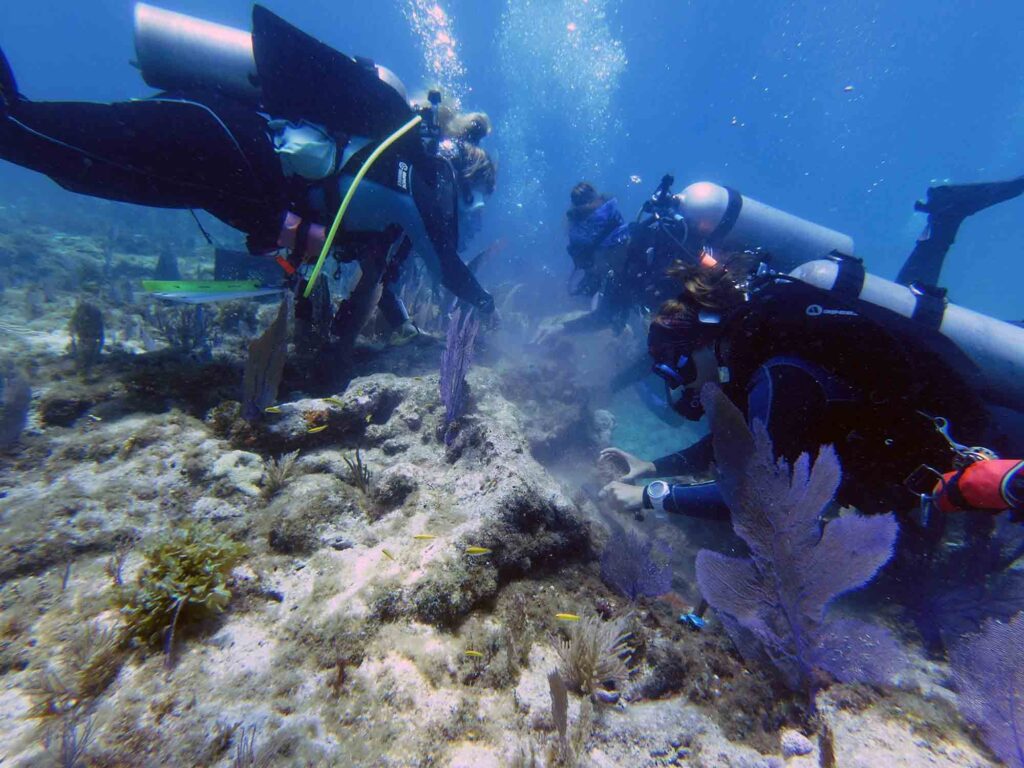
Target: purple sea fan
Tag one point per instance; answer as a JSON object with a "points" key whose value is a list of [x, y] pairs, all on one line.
{"points": [[775, 602], [627, 565], [989, 673], [455, 361]]}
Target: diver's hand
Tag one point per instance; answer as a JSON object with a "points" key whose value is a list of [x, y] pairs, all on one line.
{"points": [[636, 467], [622, 497], [491, 322], [547, 332]]}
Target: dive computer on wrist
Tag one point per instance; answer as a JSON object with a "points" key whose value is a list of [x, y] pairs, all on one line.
{"points": [[655, 494]]}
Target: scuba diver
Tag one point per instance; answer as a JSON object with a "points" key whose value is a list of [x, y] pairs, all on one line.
{"points": [[621, 266], [277, 135], [828, 354]]}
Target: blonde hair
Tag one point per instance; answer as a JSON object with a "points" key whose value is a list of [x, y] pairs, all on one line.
{"points": [[476, 168], [472, 127]]}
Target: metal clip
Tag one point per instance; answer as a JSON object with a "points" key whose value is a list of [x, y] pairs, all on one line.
{"points": [[965, 454]]}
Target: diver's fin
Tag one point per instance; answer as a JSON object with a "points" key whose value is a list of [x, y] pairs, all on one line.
{"points": [[8, 86], [963, 200]]}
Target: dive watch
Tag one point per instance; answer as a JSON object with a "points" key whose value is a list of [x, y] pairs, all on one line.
{"points": [[655, 494]]}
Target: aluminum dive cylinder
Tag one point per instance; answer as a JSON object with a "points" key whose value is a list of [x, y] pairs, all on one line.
{"points": [[724, 218], [179, 52], [996, 347]]}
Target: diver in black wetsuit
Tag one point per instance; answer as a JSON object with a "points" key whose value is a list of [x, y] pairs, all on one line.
{"points": [[621, 266], [825, 367], [271, 157]]}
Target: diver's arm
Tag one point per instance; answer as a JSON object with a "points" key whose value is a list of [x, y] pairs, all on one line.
{"points": [[701, 500], [692, 460], [458, 278], [592, 321], [434, 235]]}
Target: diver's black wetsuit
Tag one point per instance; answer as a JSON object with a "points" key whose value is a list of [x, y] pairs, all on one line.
{"points": [[203, 150], [641, 281], [846, 373]]}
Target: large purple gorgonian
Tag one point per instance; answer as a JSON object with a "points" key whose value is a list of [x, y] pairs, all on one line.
{"points": [[775, 602], [989, 673]]}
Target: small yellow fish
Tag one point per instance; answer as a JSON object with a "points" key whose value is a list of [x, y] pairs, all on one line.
{"points": [[369, 418], [333, 401], [316, 430], [475, 654], [567, 617], [388, 555], [272, 409], [477, 551], [95, 418], [424, 536]]}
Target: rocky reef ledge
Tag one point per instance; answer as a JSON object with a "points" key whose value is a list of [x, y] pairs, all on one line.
{"points": [[345, 583]]}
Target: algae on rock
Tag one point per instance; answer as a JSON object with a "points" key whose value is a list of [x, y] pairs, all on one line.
{"points": [[184, 579]]}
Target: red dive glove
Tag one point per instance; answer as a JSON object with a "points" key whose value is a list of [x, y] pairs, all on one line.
{"points": [[994, 485]]}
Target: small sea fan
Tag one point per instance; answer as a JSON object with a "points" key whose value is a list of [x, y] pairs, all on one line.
{"points": [[458, 354], [629, 566]]}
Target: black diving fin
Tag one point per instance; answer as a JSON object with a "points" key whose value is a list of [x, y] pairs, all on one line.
{"points": [[8, 86], [963, 200]]}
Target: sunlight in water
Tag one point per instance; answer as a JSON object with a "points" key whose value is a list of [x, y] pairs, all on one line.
{"points": [[561, 64], [433, 26]]}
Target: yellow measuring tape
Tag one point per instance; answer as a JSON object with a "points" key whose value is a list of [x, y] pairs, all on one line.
{"points": [[350, 194]]}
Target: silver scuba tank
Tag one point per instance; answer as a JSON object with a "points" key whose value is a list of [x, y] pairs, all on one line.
{"points": [[996, 347], [723, 217], [179, 52]]}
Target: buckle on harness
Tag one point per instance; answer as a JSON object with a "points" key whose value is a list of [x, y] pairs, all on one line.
{"points": [[964, 455], [922, 481]]}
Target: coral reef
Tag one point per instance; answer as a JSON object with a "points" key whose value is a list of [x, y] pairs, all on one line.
{"points": [[322, 620]]}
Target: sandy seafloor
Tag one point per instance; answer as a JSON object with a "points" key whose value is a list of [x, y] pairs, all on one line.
{"points": [[344, 640]]}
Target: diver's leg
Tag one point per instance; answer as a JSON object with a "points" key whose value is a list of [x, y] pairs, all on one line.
{"points": [[947, 207], [392, 306], [355, 310], [165, 152]]}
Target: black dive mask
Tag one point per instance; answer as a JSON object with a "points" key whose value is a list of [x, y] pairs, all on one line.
{"points": [[675, 366], [685, 402], [683, 372]]}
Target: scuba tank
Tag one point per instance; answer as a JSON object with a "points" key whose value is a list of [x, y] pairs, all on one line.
{"points": [[994, 346], [176, 52], [722, 217]]}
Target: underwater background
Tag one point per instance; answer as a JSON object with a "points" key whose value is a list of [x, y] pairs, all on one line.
{"points": [[749, 95], [338, 637]]}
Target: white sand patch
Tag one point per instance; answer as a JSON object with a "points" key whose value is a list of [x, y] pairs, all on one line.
{"points": [[243, 646], [470, 755]]}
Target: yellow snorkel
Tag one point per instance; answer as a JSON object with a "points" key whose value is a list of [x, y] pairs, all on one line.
{"points": [[350, 194]]}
